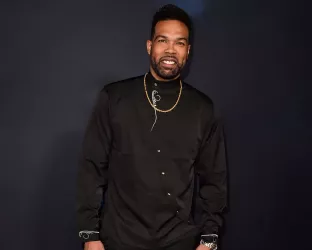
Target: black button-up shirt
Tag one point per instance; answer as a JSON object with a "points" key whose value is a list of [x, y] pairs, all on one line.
{"points": [[143, 165]]}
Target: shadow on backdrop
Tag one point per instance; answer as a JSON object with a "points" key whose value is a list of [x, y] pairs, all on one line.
{"points": [[55, 201]]}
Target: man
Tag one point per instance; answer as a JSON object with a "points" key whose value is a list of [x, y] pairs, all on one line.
{"points": [[151, 141]]}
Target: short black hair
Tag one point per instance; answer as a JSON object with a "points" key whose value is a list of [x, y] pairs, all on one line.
{"points": [[172, 12]]}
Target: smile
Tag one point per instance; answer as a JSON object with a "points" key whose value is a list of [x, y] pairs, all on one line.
{"points": [[169, 62]]}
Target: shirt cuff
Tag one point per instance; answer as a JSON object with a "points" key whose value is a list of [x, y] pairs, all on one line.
{"points": [[210, 238]]}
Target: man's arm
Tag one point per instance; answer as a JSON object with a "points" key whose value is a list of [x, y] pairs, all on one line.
{"points": [[212, 172], [92, 174]]}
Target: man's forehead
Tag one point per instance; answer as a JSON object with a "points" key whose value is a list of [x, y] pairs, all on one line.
{"points": [[165, 28], [167, 24]]}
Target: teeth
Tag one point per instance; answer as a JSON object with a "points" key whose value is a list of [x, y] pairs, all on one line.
{"points": [[169, 62]]}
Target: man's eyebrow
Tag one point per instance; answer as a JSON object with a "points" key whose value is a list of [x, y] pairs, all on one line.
{"points": [[178, 39], [160, 36], [183, 38]]}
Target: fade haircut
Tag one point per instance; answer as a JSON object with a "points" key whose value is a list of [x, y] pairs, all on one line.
{"points": [[172, 12]]}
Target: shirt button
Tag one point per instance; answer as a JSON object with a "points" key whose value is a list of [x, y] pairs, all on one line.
{"points": [[168, 194], [158, 150], [155, 84], [163, 173]]}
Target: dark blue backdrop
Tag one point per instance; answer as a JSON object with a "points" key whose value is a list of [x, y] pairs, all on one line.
{"points": [[250, 57]]}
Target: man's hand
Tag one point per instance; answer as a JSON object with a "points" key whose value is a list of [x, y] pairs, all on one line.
{"points": [[202, 247], [94, 245]]}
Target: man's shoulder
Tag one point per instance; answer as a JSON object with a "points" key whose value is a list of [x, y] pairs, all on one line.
{"points": [[123, 84], [199, 95], [204, 102]]}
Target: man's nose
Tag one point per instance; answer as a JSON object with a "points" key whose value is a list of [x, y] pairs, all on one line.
{"points": [[170, 48]]}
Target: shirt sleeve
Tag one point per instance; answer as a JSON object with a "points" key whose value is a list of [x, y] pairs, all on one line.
{"points": [[212, 175], [93, 169]]}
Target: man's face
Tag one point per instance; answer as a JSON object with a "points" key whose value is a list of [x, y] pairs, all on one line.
{"points": [[168, 49]]}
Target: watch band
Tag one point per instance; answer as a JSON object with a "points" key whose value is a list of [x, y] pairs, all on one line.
{"points": [[211, 245]]}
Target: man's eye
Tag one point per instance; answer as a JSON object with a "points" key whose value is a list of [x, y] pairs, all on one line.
{"points": [[161, 40], [181, 43]]}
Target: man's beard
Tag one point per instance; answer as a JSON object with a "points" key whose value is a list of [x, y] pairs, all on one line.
{"points": [[167, 74]]}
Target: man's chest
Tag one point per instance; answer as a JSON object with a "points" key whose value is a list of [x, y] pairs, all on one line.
{"points": [[139, 129]]}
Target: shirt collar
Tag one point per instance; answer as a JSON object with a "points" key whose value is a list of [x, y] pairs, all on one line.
{"points": [[172, 84]]}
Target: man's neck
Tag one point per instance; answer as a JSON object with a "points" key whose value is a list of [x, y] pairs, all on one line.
{"points": [[158, 78]]}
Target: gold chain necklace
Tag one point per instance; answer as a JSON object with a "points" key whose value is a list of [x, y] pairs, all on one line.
{"points": [[163, 111]]}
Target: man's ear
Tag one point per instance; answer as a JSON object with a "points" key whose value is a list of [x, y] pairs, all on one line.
{"points": [[148, 46], [188, 50]]}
